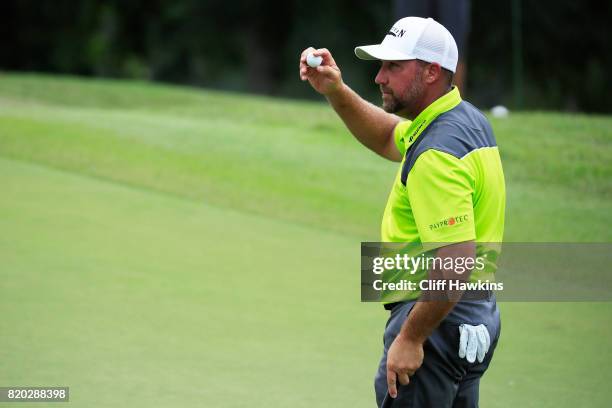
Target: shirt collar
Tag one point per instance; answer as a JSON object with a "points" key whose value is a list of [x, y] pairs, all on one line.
{"points": [[443, 104]]}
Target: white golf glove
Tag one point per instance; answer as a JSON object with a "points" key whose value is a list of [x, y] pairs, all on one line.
{"points": [[474, 341]]}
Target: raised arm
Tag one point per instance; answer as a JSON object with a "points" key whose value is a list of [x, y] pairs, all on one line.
{"points": [[371, 125]]}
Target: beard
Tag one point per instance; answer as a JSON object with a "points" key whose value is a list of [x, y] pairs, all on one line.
{"points": [[408, 100]]}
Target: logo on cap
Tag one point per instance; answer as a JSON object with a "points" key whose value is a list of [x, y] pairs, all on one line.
{"points": [[396, 32]]}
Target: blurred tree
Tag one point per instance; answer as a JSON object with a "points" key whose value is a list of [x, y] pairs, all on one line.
{"points": [[267, 25], [254, 45]]}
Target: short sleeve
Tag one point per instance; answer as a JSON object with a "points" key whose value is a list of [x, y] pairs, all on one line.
{"points": [[440, 189], [398, 135]]}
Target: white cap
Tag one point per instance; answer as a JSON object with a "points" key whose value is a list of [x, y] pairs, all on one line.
{"points": [[414, 38]]}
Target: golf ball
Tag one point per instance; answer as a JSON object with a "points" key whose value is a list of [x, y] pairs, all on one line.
{"points": [[500, 111], [313, 61]]}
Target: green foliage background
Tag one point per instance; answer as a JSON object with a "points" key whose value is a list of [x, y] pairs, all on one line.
{"points": [[254, 45]]}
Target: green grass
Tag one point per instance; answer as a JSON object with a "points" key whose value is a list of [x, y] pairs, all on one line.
{"points": [[163, 246], [211, 147]]}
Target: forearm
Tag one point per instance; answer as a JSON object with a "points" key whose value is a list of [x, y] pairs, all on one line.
{"points": [[371, 125], [426, 316], [423, 320]]}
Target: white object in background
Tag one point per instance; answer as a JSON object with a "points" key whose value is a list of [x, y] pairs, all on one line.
{"points": [[313, 61], [500, 111]]}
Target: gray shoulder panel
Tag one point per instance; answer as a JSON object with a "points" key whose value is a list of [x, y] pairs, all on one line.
{"points": [[457, 132]]}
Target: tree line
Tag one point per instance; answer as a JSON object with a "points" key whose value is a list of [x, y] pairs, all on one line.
{"points": [[254, 45]]}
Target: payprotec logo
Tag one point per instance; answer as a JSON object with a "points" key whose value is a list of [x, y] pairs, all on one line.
{"points": [[449, 222]]}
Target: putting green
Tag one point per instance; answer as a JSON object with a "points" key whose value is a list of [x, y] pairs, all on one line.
{"points": [[141, 265]]}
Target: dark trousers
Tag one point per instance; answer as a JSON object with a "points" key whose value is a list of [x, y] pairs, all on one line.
{"points": [[444, 380]]}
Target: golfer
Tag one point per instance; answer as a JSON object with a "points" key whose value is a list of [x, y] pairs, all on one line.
{"points": [[449, 194]]}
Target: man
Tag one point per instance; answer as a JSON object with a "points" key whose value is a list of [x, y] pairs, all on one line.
{"points": [[448, 193]]}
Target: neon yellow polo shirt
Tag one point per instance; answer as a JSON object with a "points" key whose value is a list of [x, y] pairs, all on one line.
{"points": [[449, 187]]}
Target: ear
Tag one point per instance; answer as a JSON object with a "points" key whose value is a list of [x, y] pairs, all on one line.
{"points": [[432, 72]]}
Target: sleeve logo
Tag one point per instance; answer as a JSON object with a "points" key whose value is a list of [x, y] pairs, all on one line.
{"points": [[449, 222]]}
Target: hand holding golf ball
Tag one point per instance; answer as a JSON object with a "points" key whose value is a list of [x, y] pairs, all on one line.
{"points": [[313, 61], [317, 66]]}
